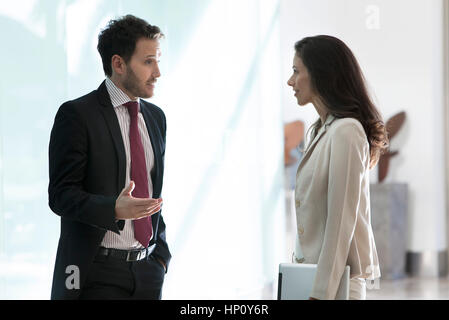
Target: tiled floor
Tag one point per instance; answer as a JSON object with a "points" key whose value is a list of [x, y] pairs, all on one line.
{"points": [[404, 289], [411, 289]]}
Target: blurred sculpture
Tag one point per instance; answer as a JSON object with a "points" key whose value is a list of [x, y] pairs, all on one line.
{"points": [[293, 143], [393, 125], [293, 136]]}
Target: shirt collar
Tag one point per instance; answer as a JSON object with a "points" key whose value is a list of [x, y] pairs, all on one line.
{"points": [[329, 119], [118, 97]]}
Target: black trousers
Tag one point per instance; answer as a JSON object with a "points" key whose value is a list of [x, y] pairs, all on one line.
{"points": [[110, 278]]}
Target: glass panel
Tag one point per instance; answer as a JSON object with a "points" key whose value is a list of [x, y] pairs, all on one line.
{"points": [[220, 90]]}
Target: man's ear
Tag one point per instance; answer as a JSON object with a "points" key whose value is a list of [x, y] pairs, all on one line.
{"points": [[118, 64]]}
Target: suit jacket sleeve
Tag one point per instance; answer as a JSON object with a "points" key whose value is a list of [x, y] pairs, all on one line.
{"points": [[68, 156], [161, 249], [349, 149]]}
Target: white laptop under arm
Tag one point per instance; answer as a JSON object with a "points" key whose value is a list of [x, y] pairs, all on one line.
{"points": [[296, 282]]}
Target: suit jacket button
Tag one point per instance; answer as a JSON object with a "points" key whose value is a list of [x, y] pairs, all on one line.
{"points": [[298, 203], [300, 229]]}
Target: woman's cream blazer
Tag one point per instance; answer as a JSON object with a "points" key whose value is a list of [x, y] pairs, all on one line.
{"points": [[333, 206]]}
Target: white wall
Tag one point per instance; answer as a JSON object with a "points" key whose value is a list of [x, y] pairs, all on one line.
{"points": [[399, 46]]}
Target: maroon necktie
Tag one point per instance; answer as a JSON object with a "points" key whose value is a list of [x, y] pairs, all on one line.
{"points": [[142, 227]]}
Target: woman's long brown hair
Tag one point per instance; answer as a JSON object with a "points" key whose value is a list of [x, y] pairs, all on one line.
{"points": [[338, 80]]}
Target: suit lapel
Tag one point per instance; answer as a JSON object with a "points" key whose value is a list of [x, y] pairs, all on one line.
{"points": [[153, 131], [156, 173], [114, 129], [314, 142]]}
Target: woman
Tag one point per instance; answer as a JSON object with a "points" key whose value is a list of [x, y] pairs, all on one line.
{"points": [[332, 181]]}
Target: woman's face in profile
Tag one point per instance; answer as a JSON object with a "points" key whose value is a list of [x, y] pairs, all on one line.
{"points": [[300, 82]]}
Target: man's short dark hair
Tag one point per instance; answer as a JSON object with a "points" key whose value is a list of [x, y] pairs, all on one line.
{"points": [[120, 37]]}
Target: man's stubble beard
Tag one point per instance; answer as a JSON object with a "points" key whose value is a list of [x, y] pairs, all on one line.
{"points": [[131, 84]]}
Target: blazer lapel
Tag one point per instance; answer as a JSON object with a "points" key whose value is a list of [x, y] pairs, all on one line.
{"points": [[153, 131], [114, 129], [156, 173], [330, 118]]}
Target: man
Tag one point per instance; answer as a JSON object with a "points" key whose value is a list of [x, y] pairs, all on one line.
{"points": [[106, 158]]}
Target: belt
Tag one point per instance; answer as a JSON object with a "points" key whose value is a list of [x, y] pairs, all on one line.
{"points": [[127, 255]]}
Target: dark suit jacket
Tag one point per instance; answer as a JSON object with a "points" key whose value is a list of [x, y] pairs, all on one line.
{"points": [[87, 173]]}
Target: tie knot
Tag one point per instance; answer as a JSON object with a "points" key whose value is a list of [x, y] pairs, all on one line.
{"points": [[133, 107]]}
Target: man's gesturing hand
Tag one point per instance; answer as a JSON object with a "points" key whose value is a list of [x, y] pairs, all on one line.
{"points": [[129, 208]]}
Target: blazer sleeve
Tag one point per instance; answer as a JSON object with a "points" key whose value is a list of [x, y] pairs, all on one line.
{"points": [[162, 250], [68, 155], [349, 149]]}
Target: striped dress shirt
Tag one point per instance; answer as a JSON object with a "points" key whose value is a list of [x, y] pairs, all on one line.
{"points": [[126, 239]]}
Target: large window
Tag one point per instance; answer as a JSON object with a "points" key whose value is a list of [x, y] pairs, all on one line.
{"points": [[221, 91]]}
